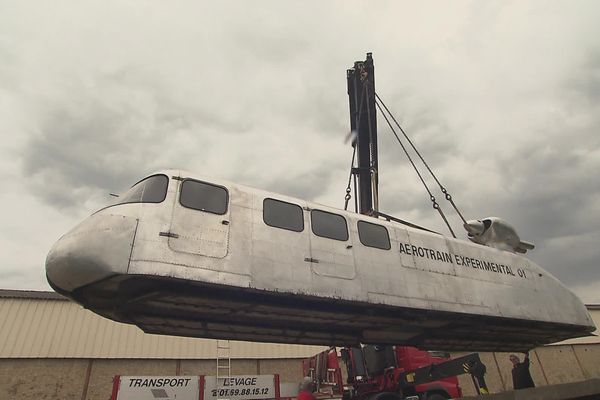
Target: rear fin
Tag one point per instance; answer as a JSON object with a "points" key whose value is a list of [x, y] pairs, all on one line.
{"points": [[524, 246]]}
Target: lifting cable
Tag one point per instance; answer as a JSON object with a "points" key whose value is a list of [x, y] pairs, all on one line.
{"points": [[355, 195], [435, 204], [348, 190], [447, 195]]}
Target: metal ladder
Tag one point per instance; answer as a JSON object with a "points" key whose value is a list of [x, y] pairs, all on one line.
{"points": [[223, 365]]}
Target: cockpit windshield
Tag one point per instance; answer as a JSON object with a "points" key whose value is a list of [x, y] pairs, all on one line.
{"points": [[150, 190]]}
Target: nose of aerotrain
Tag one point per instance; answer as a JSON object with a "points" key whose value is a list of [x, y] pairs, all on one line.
{"points": [[97, 248]]}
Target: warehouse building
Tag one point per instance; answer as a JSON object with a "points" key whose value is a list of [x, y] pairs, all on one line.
{"points": [[52, 348]]}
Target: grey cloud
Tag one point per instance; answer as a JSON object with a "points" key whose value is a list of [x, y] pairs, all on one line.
{"points": [[114, 133], [426, 126], [258, 97], [16, 276], [308, 184], [78, 151], [434, 138], [275, 46], [547, 186], [574, 259], [555, 194], [585, 84]]}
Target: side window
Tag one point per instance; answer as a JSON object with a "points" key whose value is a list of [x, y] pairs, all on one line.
{"points": [[373, 235], [281, 214], [329, 225], [204, 197], [150, 190]]}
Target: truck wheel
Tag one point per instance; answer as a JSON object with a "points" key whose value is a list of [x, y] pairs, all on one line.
{"points": [[385, 396], [436, 396]]}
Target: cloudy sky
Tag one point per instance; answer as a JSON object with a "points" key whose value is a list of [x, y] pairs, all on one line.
{"points": [[502, 97]]}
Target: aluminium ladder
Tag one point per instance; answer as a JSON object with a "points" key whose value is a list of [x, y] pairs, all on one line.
{"points": [[223, 365]]}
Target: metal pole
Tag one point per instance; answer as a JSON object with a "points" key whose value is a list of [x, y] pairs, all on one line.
{"points": [[361, 93]]}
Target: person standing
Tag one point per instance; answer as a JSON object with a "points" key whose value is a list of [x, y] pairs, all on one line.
{"points": [[520, 372]]}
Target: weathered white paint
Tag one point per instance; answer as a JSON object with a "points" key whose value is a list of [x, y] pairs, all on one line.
{"points": [[238, 250]]}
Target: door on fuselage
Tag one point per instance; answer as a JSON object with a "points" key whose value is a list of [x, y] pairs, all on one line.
{"points": [[200, 223], [280, 244], [331, 247]]}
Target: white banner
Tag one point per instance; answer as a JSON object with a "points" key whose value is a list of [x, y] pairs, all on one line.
{"points": [[158, 388], [242, 387]]}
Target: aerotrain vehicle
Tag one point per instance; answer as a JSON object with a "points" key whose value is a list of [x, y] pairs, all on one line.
{"points": [[181, 254]]}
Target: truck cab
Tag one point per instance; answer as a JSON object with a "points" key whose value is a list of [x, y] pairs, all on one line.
{"points": [[411, 358], [375, 370], [391, 373]]}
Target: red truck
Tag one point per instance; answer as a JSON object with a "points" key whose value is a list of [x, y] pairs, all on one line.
{"points": [[391, 373]]}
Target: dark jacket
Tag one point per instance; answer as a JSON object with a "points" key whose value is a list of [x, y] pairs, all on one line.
{"points": [[521, 376]]}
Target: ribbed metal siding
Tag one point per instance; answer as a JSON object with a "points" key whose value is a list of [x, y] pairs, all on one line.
{"points": [[47, 328], [42, 328]]}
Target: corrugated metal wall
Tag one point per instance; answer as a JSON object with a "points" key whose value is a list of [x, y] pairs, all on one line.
{"points": [[51, 328], [53, 348]]}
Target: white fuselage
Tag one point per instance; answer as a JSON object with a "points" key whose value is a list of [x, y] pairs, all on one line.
{"points": [[237, 249]]}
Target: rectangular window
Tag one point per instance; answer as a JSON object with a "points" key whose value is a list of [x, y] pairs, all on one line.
{"points": [[204, 197], [281, 214], [373, 235], [329, 225]]}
